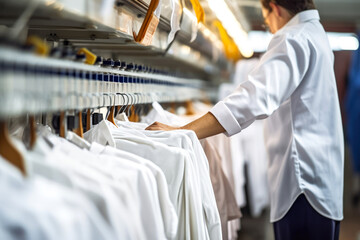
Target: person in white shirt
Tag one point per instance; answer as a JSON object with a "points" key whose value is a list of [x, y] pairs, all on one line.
{"points": [[294, 87]]}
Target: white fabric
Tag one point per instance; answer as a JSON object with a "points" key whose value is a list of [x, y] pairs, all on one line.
{"points": [[167, 209], [223, 144], [140, 185], [249, 147], [254, 153], [110, 199], [295, 84], [178, 169], [38, 209], [188, 140]]}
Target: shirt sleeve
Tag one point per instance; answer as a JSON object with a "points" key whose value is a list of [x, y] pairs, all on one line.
{"points": [[271, 83]]}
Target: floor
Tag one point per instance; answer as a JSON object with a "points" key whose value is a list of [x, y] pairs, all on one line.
{"points": [[260, 228]]}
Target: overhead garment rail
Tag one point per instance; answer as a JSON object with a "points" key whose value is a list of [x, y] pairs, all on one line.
{"points": [[33, 84], [98, 25]]}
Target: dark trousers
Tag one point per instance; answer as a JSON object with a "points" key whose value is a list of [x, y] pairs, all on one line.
{"points": [[304, 223]]}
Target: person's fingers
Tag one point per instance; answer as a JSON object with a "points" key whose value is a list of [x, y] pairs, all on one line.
{"points": [[153, 128], [156, 126]]}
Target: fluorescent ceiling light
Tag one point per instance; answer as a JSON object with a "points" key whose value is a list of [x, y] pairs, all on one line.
{"points": [[259, 40], [338, 41], [232, 26], [343, 41]]}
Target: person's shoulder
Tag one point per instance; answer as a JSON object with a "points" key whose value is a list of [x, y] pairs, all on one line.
{"points": [[298, 34], [297, 31]]}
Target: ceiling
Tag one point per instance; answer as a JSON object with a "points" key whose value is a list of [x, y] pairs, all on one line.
{"points": [[336, 15]]}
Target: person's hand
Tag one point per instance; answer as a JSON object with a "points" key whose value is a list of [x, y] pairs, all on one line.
{"points": [[160, 126]]}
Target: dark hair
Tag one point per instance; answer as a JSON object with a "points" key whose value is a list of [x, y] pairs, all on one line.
{"points": [[293, 6]]}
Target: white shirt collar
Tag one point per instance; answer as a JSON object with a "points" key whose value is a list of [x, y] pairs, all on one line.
{"points": [[305, 16], [302, 17]]}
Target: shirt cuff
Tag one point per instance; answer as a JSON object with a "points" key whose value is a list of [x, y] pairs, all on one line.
{"points": [[227, 120]]}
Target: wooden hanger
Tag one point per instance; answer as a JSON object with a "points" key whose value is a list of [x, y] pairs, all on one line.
{"points": [[62, 125], [148, 26], [172, 107], [134, 117], [111, 118], [80, 130], [189, 108], [9, 151]]}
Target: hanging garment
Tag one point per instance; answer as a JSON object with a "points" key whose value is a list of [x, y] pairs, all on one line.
{"points": [[187, 140], [40, 209], [110, 198], [223, 145], [167, 209], [234, 168], [179, 171], [249, 148], [225, 198], [295, 86]]}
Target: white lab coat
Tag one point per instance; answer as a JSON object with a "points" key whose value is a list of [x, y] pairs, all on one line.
{"points": [[294, 85]]}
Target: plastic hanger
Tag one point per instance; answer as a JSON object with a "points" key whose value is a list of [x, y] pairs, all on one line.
{"points": [[111, 114], [9, 151], [133, 117]]}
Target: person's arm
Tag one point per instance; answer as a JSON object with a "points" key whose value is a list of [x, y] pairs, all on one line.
{"points": [[204, 127], [278, 74]]}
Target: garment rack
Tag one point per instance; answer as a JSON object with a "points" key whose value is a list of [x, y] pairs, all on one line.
{"points": [[35, 84]]}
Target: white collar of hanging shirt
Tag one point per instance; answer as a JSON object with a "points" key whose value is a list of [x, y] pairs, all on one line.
{"points": [[301, 17], [101, 134]]}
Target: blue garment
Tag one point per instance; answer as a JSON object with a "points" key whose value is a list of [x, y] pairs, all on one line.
{"points": [[303, 222], [353, 110]]}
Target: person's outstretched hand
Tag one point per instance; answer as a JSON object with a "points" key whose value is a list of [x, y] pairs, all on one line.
{"points": [[160, 126], [204, 127]]}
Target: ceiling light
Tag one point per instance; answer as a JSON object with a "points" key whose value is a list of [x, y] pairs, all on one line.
{"points": [[338, 41], [232, 26]]}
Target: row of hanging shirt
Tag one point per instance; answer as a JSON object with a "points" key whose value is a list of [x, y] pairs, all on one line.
{"points": [[124, 183], [233, 155], [224, 162], [120, 182]]}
